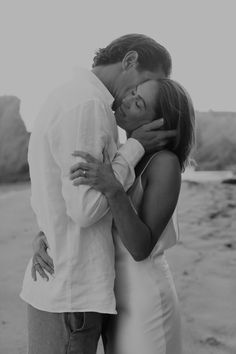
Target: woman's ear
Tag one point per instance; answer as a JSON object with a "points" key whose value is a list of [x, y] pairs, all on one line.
{"points": [[130, 60]]}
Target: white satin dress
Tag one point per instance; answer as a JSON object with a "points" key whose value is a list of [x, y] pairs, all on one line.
{"points": [[148, 320]]}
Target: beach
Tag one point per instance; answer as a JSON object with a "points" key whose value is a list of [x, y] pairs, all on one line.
{"points": [[203, 266]]}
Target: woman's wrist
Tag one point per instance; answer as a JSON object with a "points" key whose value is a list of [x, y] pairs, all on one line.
{"points": [[113, 192]]}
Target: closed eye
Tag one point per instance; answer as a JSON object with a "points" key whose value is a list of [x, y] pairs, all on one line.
{"points": [[140, 103]]}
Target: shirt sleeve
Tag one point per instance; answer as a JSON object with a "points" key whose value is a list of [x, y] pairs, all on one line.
{"points": [[127, 156], [87, 128]]}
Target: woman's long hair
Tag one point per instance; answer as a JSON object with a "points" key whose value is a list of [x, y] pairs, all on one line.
{"points": [[175, 106]]}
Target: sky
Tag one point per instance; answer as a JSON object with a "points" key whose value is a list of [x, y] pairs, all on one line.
{"points": [[42, 41]]}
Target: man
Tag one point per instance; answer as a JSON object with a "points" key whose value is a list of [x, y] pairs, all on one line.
{"points": [[66, 313]]}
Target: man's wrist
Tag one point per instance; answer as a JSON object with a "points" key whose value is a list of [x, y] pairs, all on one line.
{"points": [[132, 151]]}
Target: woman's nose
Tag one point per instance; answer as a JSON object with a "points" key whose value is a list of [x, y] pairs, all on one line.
{"points": [[127, 101]]}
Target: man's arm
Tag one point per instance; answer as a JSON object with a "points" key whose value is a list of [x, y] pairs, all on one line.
{"points": [[131, 152], [85, 128]]}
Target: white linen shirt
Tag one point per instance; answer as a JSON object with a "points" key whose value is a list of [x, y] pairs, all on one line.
{"points": [[76, 220]]}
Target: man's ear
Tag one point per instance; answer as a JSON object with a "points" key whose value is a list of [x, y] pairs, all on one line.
{"points": [[130, 60]]}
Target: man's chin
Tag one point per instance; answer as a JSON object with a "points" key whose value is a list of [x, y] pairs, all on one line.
{"points": [[115, 104], [118, 122]]}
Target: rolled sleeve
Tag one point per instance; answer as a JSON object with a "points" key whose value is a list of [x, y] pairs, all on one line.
{"points": [[132, 151]]}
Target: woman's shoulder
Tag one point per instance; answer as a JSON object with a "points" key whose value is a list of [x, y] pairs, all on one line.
{"points": [[164, 156], [164, 162]]}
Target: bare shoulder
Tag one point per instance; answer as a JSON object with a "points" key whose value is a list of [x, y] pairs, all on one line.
{"points": [[164, 166]]}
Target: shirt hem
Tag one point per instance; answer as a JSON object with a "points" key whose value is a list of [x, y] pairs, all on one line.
{"points": [[90, 308]]}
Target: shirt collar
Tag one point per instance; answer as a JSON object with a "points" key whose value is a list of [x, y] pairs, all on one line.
{"points": [[97, 82]]}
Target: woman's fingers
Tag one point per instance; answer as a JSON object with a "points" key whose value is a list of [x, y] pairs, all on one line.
{"points": [[80, 165], [106, 158], [83, 174], [46, 258], [90, 181], [84, 155], [36, 267], [45, 265], [40, 270], [78, 173], [33, 273], [39, 265]]}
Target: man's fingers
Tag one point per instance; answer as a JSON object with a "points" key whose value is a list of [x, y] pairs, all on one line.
{"points": [[163, 143], [169, 133], [156, 124], [162, 134]]}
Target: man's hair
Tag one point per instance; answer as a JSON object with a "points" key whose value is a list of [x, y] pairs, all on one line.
{"points": [[152, 56], [175, 106]]}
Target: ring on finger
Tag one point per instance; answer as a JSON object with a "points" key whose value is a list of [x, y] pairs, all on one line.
{"points": [[84, 173]]}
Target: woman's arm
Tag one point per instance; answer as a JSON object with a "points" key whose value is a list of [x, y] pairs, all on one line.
{"points": [[139, 233]]}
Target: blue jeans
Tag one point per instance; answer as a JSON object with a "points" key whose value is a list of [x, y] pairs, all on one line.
{"points": [[63, 333]]}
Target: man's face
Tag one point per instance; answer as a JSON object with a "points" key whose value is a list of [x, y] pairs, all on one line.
{"points": [[130, 79]]}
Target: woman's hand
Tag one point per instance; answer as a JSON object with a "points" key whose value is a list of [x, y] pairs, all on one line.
{"points": [[96, 174], [41, 260]]}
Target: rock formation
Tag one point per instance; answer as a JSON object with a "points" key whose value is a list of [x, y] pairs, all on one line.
{"points": [[14, 141]]}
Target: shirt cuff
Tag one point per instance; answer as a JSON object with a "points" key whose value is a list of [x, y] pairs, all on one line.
{"points": [[132, 151]]}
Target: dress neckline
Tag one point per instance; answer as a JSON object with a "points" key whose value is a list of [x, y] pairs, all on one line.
{"points": [[139, 177]]}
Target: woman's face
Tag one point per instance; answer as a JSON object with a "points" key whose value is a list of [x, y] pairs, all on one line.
{"points": [[137, 108]]}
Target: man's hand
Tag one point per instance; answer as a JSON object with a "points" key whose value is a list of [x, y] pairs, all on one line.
{"points": [[151, 137]]}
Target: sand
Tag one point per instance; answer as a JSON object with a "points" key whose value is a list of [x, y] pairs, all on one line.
{"points": [[203, 265]]}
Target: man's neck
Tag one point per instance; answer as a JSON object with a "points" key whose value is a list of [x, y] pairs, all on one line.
{"points": [[108, 74]]}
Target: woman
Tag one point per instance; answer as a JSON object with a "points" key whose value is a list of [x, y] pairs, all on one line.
{"points": [[148, 318]]}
